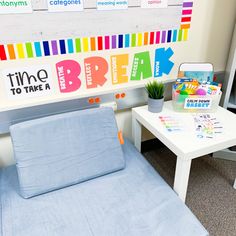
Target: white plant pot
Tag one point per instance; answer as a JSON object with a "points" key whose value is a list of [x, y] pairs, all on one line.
{"points": [[155, 105]]}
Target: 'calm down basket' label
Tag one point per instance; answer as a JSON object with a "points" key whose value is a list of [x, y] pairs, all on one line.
{"points": [[11, 6], [28, 82], [197, 103]]}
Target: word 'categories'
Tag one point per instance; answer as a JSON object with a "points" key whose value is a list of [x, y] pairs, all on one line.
{"points": [[65, 5]]}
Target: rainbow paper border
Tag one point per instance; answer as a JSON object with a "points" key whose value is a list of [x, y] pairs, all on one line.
{"points": [[107, 42]]}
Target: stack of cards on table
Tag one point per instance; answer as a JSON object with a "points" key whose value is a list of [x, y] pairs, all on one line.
{"points": [[207, 126]]}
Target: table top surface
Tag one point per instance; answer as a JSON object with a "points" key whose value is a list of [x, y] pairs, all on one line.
{"points": [[184, 142]]}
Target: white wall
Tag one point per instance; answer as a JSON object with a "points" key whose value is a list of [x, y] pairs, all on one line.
{"points": [[209, 41]]}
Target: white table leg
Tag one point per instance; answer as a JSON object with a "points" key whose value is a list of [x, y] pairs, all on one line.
{"points": [[235, 184], [136, 133], [181, 177]]}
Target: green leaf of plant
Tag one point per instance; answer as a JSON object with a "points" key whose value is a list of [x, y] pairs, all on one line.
{"points": [[155, 90]]}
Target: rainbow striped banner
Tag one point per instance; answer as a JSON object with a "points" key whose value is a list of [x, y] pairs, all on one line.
{"points": [[107, 42], [186, 15]]}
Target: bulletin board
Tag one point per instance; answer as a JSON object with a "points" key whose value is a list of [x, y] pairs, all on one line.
{"points": [[49, 57]]}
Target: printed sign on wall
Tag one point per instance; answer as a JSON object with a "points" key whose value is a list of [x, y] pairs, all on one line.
{"points": [[28, 82], [82, 75], [154, 3], [15, 6], [112, 4], [98, 69], [65, 5]]}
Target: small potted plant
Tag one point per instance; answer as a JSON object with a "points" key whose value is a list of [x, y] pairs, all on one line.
{"points": [[155, 92]]}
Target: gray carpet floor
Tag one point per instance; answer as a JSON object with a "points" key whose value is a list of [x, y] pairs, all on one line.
{"points": [[211, 195]]}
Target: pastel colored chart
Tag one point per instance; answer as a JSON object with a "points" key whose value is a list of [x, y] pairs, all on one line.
{"points": [[171, 123]]}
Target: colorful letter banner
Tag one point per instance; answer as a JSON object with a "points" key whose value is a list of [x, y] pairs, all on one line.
{"points": [[80, 75]]}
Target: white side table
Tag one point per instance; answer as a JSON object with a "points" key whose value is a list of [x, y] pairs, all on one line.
{"points": [[185, 143]]}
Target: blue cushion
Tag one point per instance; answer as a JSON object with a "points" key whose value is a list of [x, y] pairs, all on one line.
{"points": [[61, 150], [135, 201]]}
